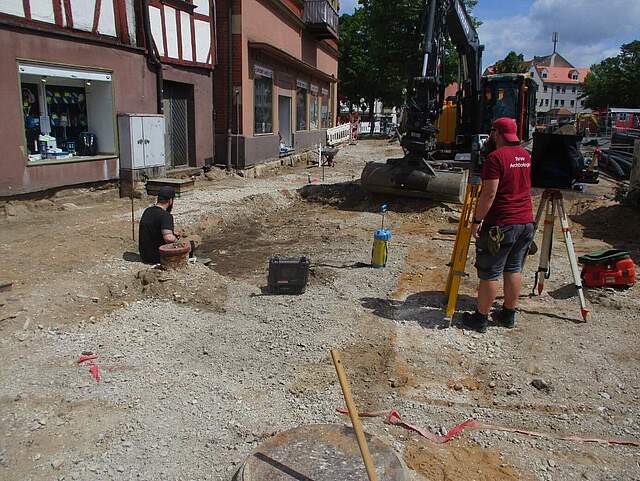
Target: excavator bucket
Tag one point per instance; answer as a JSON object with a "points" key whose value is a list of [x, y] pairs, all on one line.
{"points": [[399, 178]]}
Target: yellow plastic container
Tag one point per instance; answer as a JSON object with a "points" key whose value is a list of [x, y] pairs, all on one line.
{"points": [[380, 250]]}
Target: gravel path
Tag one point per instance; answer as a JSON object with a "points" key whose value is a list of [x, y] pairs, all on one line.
{"points": [[200, 366]]}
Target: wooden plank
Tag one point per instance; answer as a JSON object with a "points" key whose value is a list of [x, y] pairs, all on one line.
{"points": [[27, 9], [180, 185], [96, 16], [68, 13]]}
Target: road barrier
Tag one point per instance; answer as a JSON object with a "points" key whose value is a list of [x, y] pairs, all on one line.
{"points": [[337, 135], [365, 128]]}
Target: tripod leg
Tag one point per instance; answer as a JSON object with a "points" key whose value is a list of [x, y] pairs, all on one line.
{"points": [[543, 202], [566, 231], [547, 241], [533, 246]]}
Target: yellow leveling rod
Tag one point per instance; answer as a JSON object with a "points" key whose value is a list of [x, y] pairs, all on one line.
{"points": [[461, 247]]}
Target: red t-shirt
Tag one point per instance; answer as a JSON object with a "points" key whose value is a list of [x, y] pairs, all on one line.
{"points": [[512, 204]]}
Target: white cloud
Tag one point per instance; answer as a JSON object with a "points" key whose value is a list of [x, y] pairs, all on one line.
{"points": [[347, 6], [590, 30]]}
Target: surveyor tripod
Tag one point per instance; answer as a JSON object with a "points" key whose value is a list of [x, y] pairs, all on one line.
{"points": [[552, 204]]}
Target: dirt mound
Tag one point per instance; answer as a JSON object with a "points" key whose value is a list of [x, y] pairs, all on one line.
{"points": [[351, 196], [195, 285], [613, 223], [344, 195], [459, 460]]}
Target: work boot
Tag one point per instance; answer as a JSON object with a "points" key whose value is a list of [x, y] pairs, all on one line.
{"points": [[505, 317], [476, 321]]}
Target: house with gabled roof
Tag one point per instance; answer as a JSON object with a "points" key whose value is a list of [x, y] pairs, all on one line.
{"points": [[560, 84]]}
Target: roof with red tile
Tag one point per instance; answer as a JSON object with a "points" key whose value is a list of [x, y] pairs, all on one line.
{"points": [[561, 75]]}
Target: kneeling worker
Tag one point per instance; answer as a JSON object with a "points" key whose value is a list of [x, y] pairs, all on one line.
{"points": [[503, 225], [156, 226]]}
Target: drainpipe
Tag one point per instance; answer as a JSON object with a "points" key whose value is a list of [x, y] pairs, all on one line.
{"points": [[153, 58], [214, 35], [229, 83]]}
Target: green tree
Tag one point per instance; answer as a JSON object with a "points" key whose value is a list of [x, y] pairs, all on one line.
{"points": [[512, 63], [615, 82], [353, 64], [381, 50]]}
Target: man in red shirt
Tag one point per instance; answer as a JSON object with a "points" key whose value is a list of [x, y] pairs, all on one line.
{"points": [[503, 225]]}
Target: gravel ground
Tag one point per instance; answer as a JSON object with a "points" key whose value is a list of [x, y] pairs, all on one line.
{"points": [[197, 368]]}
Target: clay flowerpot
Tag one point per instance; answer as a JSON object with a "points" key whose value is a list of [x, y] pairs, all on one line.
{"points": [[175, 255]]}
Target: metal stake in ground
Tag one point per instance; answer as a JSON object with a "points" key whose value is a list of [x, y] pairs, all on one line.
{"points": [[353, 414], [133, 222]]}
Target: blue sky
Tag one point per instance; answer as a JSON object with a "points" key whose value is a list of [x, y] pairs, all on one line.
{"points": [[590, 30]]}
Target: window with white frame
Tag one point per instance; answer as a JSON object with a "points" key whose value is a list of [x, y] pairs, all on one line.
{"points": [[67, 112], [263, 100]]}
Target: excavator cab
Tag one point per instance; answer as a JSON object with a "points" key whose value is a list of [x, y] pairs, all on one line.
{"points": [[505, 95], [509, 95]]}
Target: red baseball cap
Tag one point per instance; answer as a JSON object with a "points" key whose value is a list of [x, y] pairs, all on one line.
{"points": [[508, 128]]}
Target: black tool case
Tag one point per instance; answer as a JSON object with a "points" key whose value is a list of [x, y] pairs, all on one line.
{"points": [[288, 275]]}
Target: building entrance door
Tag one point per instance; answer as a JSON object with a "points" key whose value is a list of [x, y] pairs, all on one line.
{"points": [[178, 112], [284, 118]]}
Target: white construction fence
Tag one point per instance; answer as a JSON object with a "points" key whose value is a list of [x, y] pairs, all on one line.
{"points": [[337, 135]]}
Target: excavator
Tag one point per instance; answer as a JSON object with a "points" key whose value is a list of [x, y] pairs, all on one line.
{"points": [[442, 138]]}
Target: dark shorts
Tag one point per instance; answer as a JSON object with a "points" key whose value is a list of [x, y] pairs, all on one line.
{"points": [[510, 257]]}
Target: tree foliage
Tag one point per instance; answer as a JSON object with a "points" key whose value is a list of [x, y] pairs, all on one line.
{"points": [[379, 50], [512, 63], [615, 82]]}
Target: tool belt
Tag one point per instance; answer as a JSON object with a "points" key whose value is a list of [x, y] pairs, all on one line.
{"points": [[496, 236]]}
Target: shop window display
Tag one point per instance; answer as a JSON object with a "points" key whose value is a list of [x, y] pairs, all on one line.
{"points": [[67, 107], [66, 113], [31, 113]]}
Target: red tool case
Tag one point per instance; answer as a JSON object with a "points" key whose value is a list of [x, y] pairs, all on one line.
{"points": [[611, 267]]}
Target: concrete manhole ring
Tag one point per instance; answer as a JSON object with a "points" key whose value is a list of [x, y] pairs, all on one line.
{"points": [[319, 452]]}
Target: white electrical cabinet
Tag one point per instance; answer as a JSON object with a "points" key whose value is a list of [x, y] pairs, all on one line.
{"points": [[141, 141]]}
